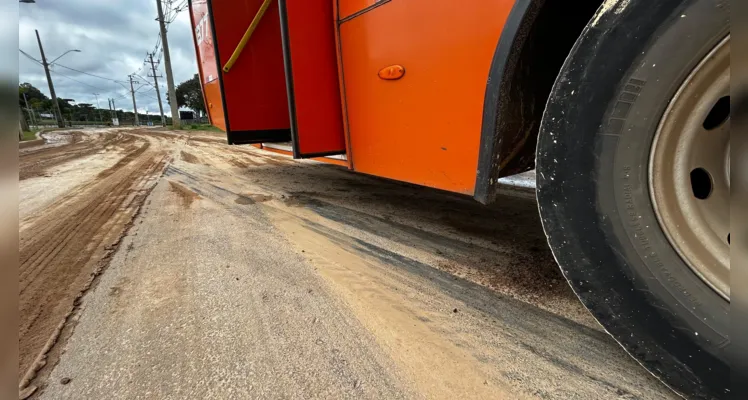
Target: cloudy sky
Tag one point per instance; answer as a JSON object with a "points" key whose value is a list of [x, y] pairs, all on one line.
{"points": [[114, 37]]}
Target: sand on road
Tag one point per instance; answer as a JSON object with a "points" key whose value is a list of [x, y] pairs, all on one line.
{"points": [[228, 272]]}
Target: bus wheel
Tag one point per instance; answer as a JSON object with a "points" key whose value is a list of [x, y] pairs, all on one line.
{"points": [[634, 184]]}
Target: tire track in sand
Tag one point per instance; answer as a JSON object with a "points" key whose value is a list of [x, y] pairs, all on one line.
{"points": [[62, 211], [34, 163], [62, 248]]}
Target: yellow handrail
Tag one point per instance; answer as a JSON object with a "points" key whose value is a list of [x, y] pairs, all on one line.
{"points": [[247, 35]]}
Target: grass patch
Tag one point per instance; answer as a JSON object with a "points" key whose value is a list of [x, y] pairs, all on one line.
{"points": [[200, 127], [28, 135]]}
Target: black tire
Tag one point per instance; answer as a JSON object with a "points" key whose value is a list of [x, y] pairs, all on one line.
{"points": [[593, 195]]}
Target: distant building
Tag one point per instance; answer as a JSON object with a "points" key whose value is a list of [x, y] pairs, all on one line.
{"points": [[186, 115], [46, 115]]}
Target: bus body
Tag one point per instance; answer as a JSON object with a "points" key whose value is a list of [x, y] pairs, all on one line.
{"points": [[458, 95]]}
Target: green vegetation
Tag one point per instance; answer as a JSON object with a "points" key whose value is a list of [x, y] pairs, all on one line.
{"points": [[201, 127], [79, 113], [190, 95], [28, 135]]}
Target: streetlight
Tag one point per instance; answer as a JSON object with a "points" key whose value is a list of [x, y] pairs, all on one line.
{"points": [[53, 61], [46, 65], [57, 111]]}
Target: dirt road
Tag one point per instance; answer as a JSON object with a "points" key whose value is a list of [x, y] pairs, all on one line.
{"points": [[222, 271]]}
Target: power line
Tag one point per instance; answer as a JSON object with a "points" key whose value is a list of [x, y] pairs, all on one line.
{"points": [[30, 57], [145, 79], [158, 43], [170, 15], [167, 65], [156, 49], [120, 96], [85, 73], [142, 86], [167, 10], [73, 79], [137, 71], [181, 7], [89, 74], [171, 12], [149, 96], [72, 69]]}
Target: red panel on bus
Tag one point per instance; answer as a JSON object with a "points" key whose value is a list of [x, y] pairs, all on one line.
{"points": [[254, 89], [308, 33], [202, 32]]}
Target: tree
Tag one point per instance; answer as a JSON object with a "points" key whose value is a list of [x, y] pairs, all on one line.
{"points": [[32, 93], [190, 95], [39, 103], [35, 100]]}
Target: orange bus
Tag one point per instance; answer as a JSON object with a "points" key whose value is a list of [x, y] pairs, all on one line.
{"points": [[620, 106]]}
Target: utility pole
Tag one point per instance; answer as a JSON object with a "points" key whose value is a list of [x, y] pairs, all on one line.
{"points": [[114, 108], [167, 67], [28, 110], [134, 106], [23, 124], [60, 123], [101, 119], [158, 93]]}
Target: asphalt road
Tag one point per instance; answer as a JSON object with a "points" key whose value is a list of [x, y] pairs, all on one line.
{"points": [[218, 271]]}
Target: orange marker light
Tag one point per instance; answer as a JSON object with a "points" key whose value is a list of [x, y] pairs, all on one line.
{"points": [[392, 72]]}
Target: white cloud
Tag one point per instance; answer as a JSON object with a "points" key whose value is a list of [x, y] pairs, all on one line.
{"points": [[114, 38]]}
